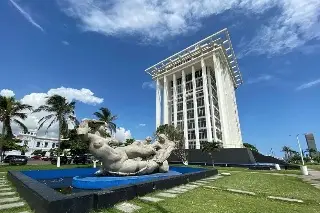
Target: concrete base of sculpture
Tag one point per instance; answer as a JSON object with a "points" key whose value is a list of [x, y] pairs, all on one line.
{"points": [[135, 159]]}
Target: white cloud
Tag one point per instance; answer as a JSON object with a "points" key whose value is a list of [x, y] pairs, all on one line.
{"points": [[261, 78], [83, 95], [149, 85], [308, 85], [65, 43], [26, 15], [36, 99], [7, 93], [142, 125], [122, 134], [295, 23]]}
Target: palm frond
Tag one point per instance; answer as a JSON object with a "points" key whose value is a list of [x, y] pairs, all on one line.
{"points": [[46, 118], [43, 108], [52, 122], [21, 125], [98, 115]]}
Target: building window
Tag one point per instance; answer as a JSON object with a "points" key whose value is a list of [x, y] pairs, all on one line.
{"points": [[46, 144], [190, 104], [38, 144], [198, 73], [189, 86], [219, 134], [53, 145], [191, 135], [192, 145], [201, 112], [190, 114], [189, 77], [199, 94], [200, 102], [179, 90], [180, 106], [202, 134], [199, 82], [191, 124], [179, 81], [25, 142], [179, 116], [202, 122]]}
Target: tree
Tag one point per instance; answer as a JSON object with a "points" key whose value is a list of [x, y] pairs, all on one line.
{"points": [[211, 147], [129, 141], [75, 144], [287, 152], [24, 149], [106, 116], [60, 111], [176, 135], [11, 111], [312, 152], [251, 147], [9, 144]]}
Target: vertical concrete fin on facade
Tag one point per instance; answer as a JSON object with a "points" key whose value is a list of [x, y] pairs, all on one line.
{"points": [[206, 99], [165, 101], [195, 107], [158, 103], [175, 110], [185, 121], [213, 123]]}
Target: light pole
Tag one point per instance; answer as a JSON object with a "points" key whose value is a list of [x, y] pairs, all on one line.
{"points": [[303, 168]]}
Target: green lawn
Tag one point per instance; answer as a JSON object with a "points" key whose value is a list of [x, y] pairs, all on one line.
{"points": [[211, 200], [315, 167]]}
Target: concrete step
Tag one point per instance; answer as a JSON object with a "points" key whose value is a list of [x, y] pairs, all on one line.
{"points": [[9, 199], [11, 205]]}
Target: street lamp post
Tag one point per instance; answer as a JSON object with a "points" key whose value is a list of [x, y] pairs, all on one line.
{"points": [[303, 168], [301, 154]]}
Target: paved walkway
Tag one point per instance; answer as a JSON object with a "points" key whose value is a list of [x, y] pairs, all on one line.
{"points": [[313, 178]]}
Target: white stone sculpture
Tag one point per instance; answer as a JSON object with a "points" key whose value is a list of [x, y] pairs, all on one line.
{"points": [[135, 159]]}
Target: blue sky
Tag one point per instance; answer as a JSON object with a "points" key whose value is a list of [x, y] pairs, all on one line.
{"points": [[96, 53]]}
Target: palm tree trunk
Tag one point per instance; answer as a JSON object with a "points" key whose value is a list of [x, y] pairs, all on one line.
{"points": [[59, 140]]}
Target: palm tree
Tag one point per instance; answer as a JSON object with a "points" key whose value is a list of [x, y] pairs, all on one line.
{"points": [[287, 151], [11, 111], [211, 147], [60, 111], [106, 116]]}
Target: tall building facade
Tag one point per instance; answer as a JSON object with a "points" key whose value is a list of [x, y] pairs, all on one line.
{"points": [[311, 142], [195, 91]]}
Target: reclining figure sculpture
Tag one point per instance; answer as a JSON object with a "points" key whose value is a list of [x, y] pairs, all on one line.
{"points": [[135, 159]]}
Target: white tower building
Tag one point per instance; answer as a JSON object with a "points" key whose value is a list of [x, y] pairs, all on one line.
{"points": [[195, 91]]}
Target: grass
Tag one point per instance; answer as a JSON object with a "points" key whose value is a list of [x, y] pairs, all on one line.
{"points": [[314, 166], [210, 200]]}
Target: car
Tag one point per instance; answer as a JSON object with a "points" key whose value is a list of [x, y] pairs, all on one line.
{"points": [[63, 160], [45, 158], [36, 157], [83, 159], [16, 160]]}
